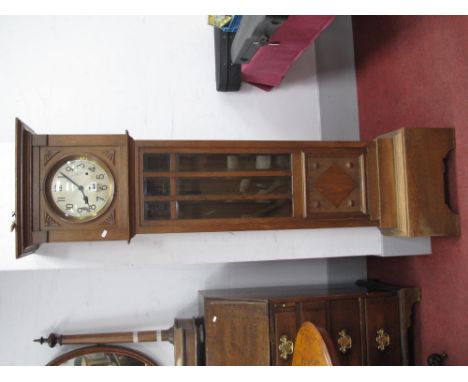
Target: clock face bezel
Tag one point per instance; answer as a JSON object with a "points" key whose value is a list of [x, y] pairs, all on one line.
{"points": [[53, 172]]}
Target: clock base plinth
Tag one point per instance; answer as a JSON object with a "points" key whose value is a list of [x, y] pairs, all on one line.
{"points": [[413, 194]]}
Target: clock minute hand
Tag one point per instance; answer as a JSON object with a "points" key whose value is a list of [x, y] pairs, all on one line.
{"points": [[85, 198], [71, 180]]}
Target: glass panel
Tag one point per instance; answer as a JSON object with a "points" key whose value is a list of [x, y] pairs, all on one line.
{"points": [[156, 162], [234, 185], [156, 186], [103, 359], [233, 162], [157, 210], [228, 209]]}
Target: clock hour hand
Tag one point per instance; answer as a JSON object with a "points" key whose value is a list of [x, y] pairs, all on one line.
{"points": [[85, 198]]}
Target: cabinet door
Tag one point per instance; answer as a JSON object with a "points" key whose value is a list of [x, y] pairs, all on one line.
{"points": [[345, 331], [284, 331], [383, 331], [236, 333]]}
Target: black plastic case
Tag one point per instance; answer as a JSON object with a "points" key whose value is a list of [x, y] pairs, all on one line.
{"points": [[253, 33], [228, 74]]}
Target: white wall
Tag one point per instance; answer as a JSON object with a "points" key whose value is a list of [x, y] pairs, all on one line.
{"points": [[155, 77], [151, 75], [336, 79]]}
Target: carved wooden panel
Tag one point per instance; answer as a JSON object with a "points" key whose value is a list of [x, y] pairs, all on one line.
{"points": [[110, 218], [110, 155], [49, 221], [335, 185], [48, 155]]}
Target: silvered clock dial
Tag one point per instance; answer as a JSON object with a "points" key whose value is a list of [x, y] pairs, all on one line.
{"points": [[81, 188]]}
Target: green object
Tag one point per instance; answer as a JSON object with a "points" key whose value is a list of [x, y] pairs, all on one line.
{"points": [[219, 21]]}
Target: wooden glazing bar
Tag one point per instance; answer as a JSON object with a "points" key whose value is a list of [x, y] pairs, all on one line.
{"points": [[173, 187], [216, 174], [298, 183], [219, 197]]}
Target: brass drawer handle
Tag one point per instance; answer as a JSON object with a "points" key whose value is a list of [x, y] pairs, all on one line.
{"points": [[345, 341], [382, 339], [286, 347]]}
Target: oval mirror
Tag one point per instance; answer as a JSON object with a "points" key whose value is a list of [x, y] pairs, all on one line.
{"points": [[102, 356]]}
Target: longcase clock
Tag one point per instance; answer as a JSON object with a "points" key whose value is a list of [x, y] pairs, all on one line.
{"points": [[111, 187]]}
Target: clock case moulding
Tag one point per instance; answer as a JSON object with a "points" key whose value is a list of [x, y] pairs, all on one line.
{"points": [[397, 182]]}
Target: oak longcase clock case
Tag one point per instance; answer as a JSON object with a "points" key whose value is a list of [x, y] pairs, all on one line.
{"points": [[111, 187]]}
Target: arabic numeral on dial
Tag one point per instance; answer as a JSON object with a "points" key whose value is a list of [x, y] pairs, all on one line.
{"points": [[103, 188], [100, 176], [99, 198], [92, 169], [92, 207], [68, 168], [61, 199], [80, 165], [69, 206]]}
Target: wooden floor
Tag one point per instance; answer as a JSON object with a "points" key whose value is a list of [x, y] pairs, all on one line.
{"points": [[412, 71]]}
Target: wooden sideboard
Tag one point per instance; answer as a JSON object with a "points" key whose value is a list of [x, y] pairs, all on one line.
{"points": [[369, 323]]}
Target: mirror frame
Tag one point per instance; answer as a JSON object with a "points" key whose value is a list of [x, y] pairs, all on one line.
{"points": [[99, 349]]}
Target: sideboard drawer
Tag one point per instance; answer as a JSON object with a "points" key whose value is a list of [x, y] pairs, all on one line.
{"points": [[345, 331], [383, 331], [316, 312], [285, 328]]}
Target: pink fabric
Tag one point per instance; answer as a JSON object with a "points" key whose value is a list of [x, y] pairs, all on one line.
{"points": [[271, 62]]}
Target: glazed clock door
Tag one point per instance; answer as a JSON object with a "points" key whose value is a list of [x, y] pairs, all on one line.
{"points": [[194, 187]]}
